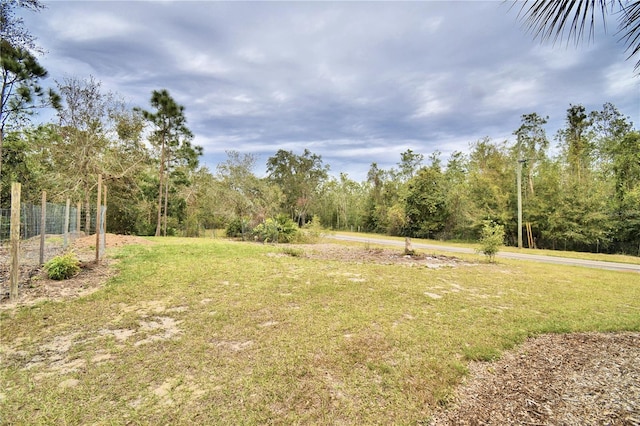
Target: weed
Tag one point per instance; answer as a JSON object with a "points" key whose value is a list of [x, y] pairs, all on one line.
{"points": [[293, 252]]}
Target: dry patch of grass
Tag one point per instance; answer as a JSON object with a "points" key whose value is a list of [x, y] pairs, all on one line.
{"points": [[217, 332]]}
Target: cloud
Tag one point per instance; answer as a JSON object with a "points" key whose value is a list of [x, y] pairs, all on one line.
{"points": [[356, 82]]}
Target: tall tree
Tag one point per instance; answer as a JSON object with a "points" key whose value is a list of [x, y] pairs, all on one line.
{"points": [[531, 144], [21, 93], [12, 27], [341, 204], [170, 125], [576, 141], [375, 213], [491, 176], [410, 163], [609, 127], [182, 161], [244, 196], [28, 160], [426, 203], [626, 168], [457, 200], [299, 177], [83, 125]]}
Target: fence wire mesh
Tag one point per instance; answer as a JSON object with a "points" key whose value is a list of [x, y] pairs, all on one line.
{"points": [[56, 240]]}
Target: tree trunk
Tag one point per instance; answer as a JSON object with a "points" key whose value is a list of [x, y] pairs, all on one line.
{"points": [[1, 141], [166, 203], [160, 190]]}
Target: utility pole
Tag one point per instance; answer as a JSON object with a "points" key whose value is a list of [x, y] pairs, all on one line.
{"points": [[520, 162]]}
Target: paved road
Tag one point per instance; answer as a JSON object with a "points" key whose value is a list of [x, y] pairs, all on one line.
{"points": [[614, 266]]}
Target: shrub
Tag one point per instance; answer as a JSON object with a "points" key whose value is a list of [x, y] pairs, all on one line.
{"points": [[491, 239], [62, 267], [280, 229], [238, 228]]}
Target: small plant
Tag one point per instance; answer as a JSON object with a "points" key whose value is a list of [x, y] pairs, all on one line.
{"points": [[491, 239], [62, 267]]}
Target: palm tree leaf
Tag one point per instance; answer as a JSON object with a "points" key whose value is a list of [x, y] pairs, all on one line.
{"points": [[630, 27], [551, 19], [573, 19]]}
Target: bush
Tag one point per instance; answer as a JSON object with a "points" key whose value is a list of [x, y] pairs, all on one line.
{"points": [[280, 229], [62, 267], [491, 239], [238, 228]]}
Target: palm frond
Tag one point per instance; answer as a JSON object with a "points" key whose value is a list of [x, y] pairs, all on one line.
{"points": [[573, 19], [630, 27], [551, 19]]}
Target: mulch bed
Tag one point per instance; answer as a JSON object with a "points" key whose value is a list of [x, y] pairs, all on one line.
{"points": [[568, 379]]}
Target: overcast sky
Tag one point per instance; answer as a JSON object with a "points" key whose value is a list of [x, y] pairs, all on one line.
{"points": [[356, 82]]}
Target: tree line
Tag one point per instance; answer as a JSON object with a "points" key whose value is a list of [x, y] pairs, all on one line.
{"points": [[582, 195]]}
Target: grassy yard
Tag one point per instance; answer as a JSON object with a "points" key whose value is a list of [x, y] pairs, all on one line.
{"points": [[204, 331]]}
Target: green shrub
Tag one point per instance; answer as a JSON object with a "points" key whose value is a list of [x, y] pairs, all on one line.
{"points": [[280, 229], [491, 239], [238, 228], [62, 267]]}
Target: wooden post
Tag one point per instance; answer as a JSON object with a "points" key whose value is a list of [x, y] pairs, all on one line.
{"points": [[43, 225], [104, 220], [530, 235], [104, 203], [15, 241], [99, 198], [78, 218], [67, 212]]}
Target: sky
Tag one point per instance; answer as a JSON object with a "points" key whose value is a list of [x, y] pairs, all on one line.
{"points": [[355, 82]]}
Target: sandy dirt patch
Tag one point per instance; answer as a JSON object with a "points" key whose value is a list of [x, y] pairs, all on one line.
{"points": [[381, 256]]}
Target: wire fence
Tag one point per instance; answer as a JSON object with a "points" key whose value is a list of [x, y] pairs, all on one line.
{"points": [[42, 241], [55, 218]]}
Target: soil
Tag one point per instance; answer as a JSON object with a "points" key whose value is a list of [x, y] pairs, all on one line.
{"points": [[34, 285], [378, 255], [570, 379]]}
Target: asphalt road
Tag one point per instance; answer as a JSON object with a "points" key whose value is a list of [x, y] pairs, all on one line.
{"points": [[614, 266]]}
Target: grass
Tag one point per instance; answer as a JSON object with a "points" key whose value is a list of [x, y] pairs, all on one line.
{"points": [[207, 331]]}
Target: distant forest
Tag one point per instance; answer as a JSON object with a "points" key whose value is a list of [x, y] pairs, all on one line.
{"points": [[586, 197]]}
